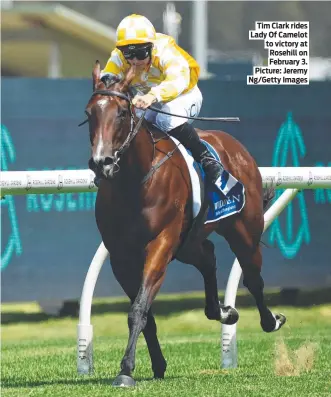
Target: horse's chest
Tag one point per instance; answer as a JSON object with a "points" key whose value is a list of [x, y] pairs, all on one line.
{"points": [[125, 228]]}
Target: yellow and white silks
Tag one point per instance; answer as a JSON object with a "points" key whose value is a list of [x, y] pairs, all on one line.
{"points": [[172, 77]]}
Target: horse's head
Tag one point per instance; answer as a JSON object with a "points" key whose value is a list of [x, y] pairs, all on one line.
{"points": [[111, 122]]}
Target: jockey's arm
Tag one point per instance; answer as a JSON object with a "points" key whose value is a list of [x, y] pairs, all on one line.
{"points": [[177, 76]]}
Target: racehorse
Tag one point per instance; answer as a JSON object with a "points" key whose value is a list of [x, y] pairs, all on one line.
{"points": [[143, 212]]}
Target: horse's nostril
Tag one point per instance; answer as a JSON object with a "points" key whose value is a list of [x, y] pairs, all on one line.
{"points": [[108, 161]]}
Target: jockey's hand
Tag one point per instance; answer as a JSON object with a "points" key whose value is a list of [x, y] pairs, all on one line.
{"points": [[143, 101]]}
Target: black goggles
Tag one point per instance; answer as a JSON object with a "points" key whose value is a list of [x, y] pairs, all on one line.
{"points": [[139, 53]]}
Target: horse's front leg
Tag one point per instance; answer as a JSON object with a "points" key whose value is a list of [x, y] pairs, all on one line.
{"points": [[159, 252]]}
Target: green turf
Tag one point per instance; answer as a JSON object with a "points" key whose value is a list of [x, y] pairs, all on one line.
{"points": [[39, 356]]}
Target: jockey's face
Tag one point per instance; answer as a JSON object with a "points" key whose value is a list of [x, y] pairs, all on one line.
{"points": [[140, 64], [138, 55]]}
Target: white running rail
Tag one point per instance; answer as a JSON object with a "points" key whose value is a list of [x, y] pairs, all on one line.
{"points": [[84, 328], [71, 181]]}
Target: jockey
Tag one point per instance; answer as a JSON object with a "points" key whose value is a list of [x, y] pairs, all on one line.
{"points": [[165, 75]]}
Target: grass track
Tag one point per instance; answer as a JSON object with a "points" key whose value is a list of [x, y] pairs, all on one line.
{"points": [[39, 358]]}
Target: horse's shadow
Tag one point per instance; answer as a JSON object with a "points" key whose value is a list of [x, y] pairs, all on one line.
{"points": [[80, 381], [164, 307], [71, 309]]}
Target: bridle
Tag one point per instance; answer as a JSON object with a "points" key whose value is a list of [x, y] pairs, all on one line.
{"points": [[134, 127]]}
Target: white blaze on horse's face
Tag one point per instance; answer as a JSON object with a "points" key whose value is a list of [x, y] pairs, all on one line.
{"points": [[103, 102], [98, 155]]}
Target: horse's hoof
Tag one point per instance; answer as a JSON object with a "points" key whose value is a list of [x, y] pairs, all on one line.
{"points": [[160, 369], [229, 315], [124, 381], [279, 319]]}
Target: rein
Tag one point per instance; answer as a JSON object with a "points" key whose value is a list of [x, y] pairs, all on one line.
{"points": [[126, 98], [134, 129], [195, 118]]}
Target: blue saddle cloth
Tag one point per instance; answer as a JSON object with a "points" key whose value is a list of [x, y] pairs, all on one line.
{"points": [[226, 197]]}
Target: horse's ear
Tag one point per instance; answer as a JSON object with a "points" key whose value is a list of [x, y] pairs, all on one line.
{"points": [[96, 75], [129, 77]]}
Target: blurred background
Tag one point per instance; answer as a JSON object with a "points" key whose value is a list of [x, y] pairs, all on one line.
{"points": [[48, 51], [62, 39]]}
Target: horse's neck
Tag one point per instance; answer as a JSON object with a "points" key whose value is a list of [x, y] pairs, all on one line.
{"points": [[139, 156]]}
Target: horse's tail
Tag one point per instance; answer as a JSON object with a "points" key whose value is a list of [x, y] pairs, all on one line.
{"points": [[268, 195]]}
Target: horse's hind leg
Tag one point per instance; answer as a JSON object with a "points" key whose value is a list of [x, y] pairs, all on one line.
{"points": [[159, 364], [255, 284], [249, 256], [205, 261]]}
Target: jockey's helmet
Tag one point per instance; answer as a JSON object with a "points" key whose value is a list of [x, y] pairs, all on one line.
{"points": [[135, 29]]}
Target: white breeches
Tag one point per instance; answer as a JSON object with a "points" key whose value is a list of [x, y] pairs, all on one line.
{"points": [[188, 104]]}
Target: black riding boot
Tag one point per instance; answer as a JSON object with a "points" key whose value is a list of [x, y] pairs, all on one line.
{"points": [[188, 136]]}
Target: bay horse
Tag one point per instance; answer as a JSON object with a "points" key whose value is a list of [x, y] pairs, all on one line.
{"points": [[143, 212]]}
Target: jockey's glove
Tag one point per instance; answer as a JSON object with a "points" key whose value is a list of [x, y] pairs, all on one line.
{"points": [[143, 101]]}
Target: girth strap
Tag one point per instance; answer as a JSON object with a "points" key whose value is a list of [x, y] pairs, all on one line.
{"points": [[158, 165]]}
